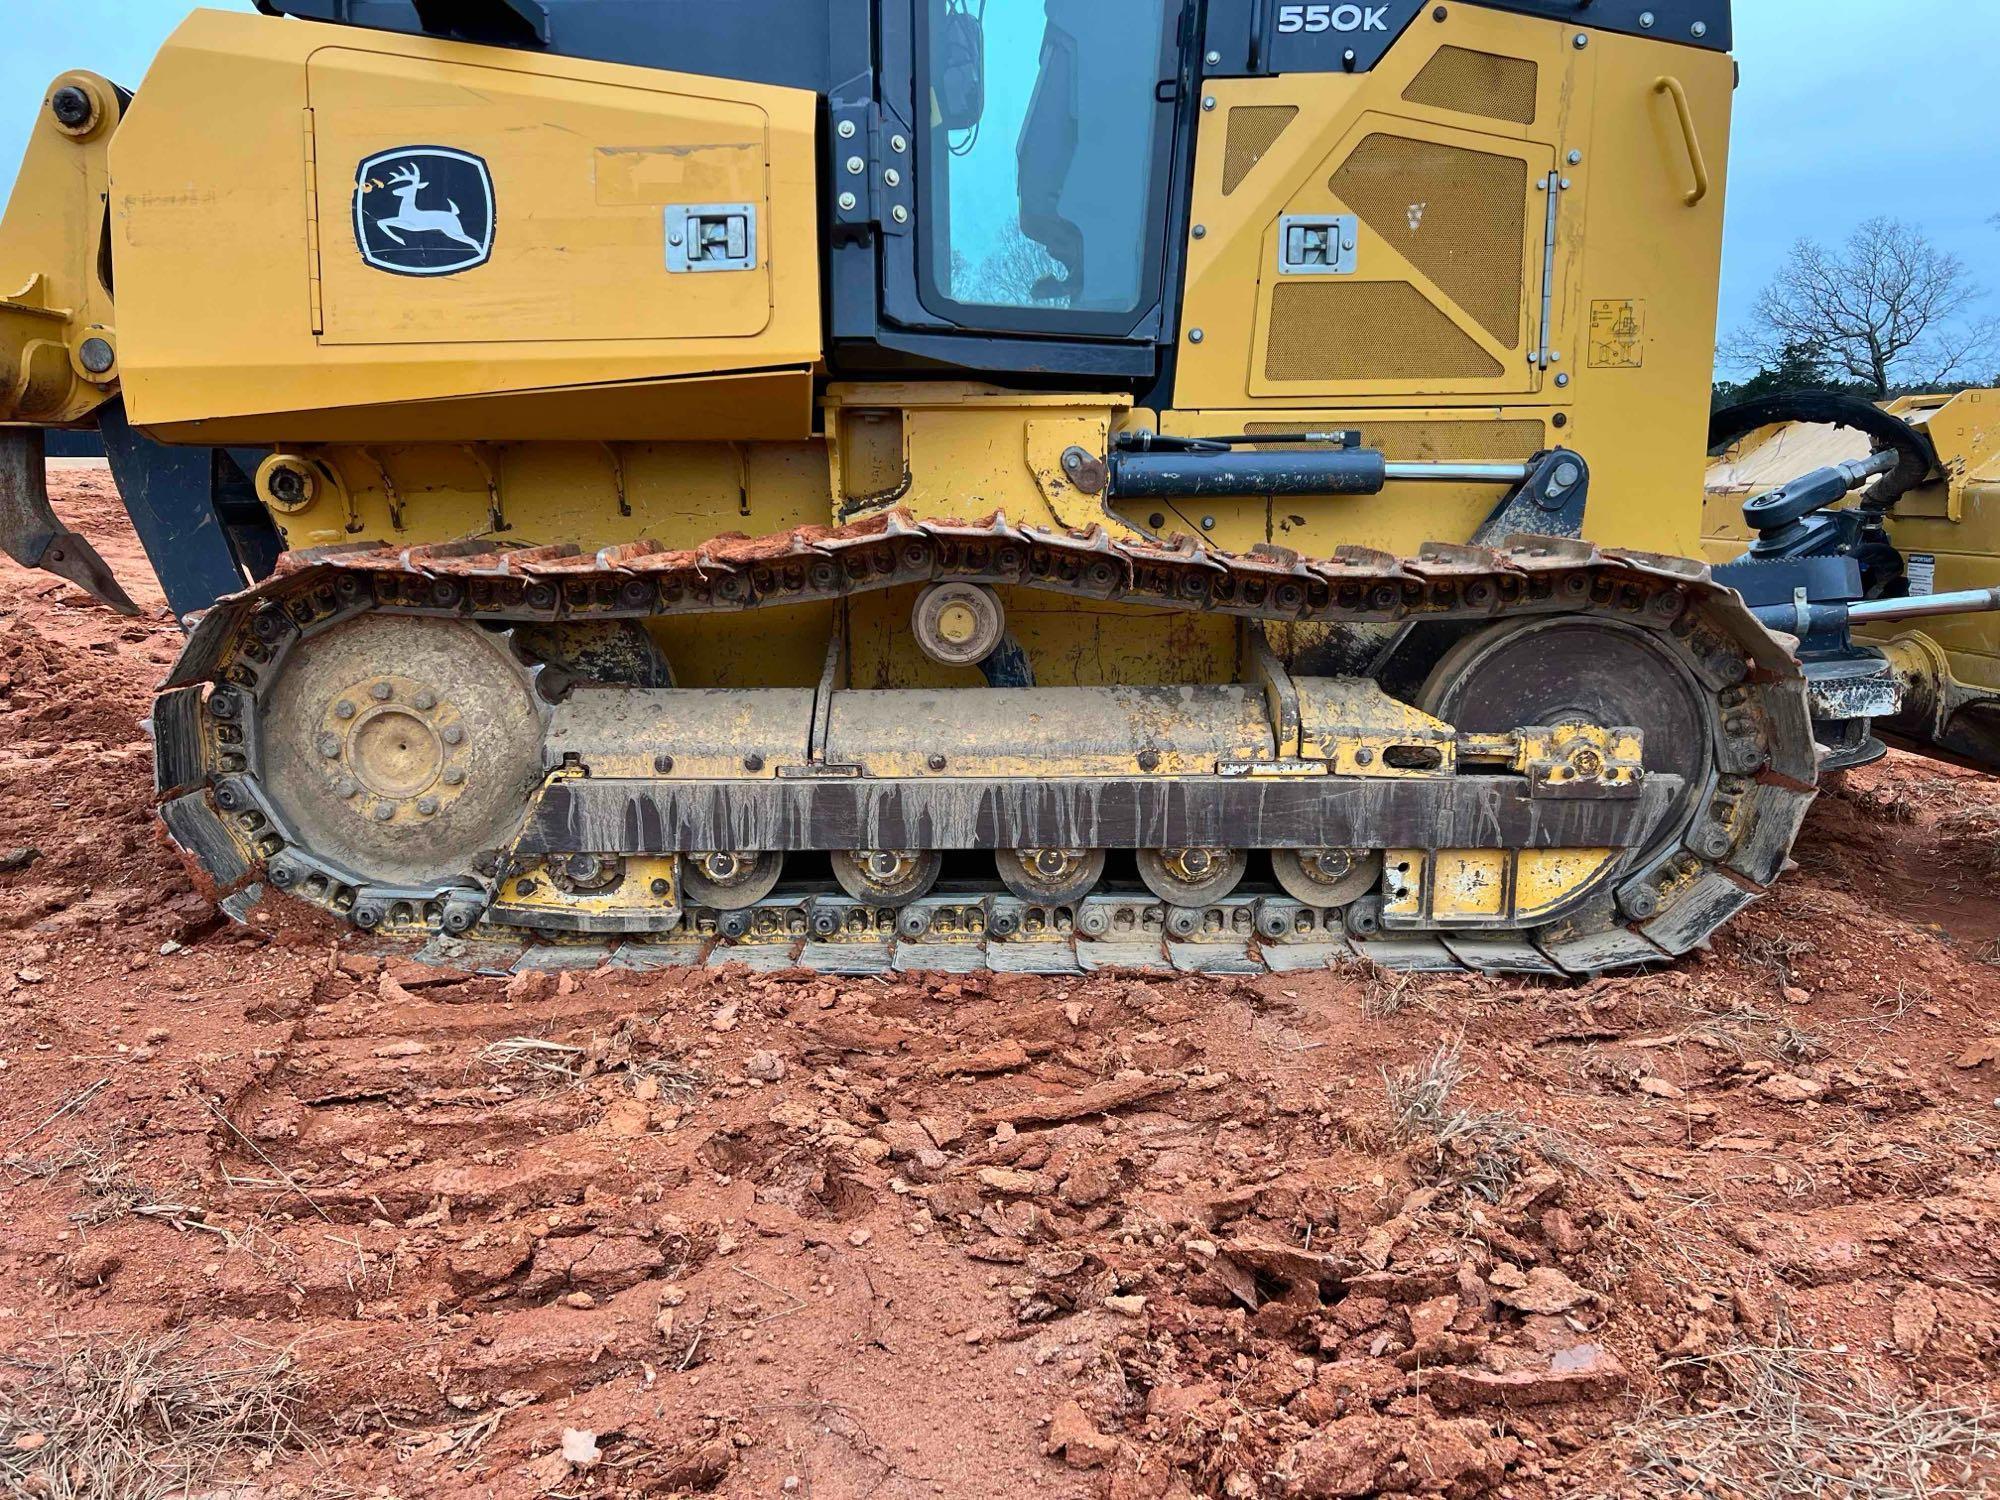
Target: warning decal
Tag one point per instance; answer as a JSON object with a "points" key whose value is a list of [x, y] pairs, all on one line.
{"points": [[1617, 334]]}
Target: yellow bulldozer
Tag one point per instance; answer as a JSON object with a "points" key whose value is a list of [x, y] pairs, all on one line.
{"points": [[1036, 484]]}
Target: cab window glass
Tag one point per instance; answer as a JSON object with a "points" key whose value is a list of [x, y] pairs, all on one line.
{"points": [[1044, 137]]}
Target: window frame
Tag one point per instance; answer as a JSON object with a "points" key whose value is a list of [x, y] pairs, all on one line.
{"points": [[931, 233]]}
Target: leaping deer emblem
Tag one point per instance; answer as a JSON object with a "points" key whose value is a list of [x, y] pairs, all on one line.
{"points": [[406, 182]]}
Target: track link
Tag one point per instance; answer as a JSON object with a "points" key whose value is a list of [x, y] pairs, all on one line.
{"points": [[1730, 851]]}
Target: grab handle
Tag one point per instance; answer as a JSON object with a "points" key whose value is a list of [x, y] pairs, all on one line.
{"points": [[1672, 87]]}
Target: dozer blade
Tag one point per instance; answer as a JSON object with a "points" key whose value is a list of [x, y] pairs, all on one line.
{"points": [[30, 532]]}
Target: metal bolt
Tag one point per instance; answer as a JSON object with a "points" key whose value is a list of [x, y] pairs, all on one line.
{"points": [[900, 214], [72, 107], [347, 787], [452, 734], [1567, 474], [1208, 523], [845, 130], [1149, 760], [1194, 335], [846, 202], [1201, 231], [95, 355], [1209, 102], [427, 805], [425, 700], [892, 177], [661, 887], [1700, 29], [343, 709], [663, 764], [1646, 20], [1582, 41], [897, 143], [936, 762], [454, 776], [1555, 356], [329, 745], [380, 692], [1562, 381], [1565, 184], [1364, 756], [1575, 157], [753, 762], [1212, 58], [856, 165], [384, 812]]}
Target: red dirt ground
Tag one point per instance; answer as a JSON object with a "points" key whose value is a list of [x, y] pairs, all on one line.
{"points": [[1139, 1237]]}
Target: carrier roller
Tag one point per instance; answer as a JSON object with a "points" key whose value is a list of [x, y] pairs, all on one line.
{"points": [[1601, 758]]}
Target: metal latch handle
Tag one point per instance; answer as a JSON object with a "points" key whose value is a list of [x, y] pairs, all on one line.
{"points": [[1672, 87]]}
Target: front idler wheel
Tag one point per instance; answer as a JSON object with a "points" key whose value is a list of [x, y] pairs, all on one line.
{"points": [[1326, 877], [729, 880], [886, 877], [1050, 877], [1193, 876]]}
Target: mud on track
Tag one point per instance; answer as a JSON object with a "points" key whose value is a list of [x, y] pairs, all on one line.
{"points": [[1321, 1235]]}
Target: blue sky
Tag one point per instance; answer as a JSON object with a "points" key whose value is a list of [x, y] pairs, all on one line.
{"points": [[1848, 108]]}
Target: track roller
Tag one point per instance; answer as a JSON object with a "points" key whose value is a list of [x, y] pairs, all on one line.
{"points": [[1049, 877], [1192, 877], [1326, 877], [884, 877], [730, 880]]}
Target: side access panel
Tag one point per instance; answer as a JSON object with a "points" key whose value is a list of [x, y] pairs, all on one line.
{"points": [[355, 223]]}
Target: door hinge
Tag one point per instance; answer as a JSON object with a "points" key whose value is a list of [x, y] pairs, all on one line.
{"points": [[872, 165]]}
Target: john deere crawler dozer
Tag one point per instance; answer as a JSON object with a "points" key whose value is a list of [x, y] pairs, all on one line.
{"points": [[1041, 483]]}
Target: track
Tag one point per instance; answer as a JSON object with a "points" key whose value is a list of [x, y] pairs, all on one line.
{"points": [[1729, 849]]}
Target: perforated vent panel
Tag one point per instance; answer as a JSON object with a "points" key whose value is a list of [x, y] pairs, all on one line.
{"points": [[1458, 216], [1478, 83], [1252, 130], [1366, 330]]}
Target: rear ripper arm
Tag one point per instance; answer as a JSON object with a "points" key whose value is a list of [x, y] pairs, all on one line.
{"points": [[58, 341]]}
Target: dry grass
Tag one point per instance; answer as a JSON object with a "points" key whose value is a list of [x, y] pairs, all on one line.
{"points": [[1484, 1150], [535, 1054], [545, 1061], [1776, 950], [138, 1419], [1791, 1421], [1974, 833], [1885, 804]]}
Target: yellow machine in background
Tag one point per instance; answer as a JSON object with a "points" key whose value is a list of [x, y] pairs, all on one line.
{"points": [[1947, 532], [1036, 483]]}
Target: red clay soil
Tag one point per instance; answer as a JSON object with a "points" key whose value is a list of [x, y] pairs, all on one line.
{"points": [[1141, 1237]]}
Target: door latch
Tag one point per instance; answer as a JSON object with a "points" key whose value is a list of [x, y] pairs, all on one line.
{"points": [[1318, 244], [712, 237]]}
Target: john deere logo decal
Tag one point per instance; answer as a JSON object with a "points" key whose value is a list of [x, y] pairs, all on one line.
{"points": [[424, 211]]}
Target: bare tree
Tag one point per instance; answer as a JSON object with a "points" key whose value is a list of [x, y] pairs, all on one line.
{"points": [[1887, 309]]}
